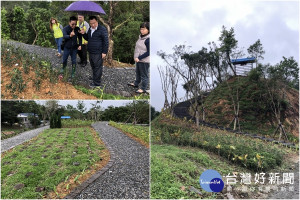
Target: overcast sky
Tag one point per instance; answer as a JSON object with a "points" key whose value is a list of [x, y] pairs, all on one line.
{"points": [[195, 23], [88, 103]]}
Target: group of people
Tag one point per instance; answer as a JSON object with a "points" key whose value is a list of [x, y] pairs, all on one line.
{"points": [[80, 37]]}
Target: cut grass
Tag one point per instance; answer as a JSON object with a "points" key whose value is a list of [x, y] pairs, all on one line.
{"points": [[46, 161], [139, 133], [175, 169]]}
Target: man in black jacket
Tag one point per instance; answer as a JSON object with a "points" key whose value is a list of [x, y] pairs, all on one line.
{"points": [[97, 38], [71, 33]]}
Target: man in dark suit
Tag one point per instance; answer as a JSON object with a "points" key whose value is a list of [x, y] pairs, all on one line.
{"points": [[71, 33], [97, 38]]}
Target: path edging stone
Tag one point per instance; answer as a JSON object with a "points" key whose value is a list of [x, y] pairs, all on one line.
{"points": [[95, 176]]}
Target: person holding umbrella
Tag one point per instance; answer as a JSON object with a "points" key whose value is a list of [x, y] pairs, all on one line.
{"points": [[71, 33], [97, 47]]}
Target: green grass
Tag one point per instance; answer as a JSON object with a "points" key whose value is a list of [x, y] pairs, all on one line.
{"points": [[50, 158], [247, 152], [141, 132], [174, 169], [99, 93], [16, 130], [75, 123]]}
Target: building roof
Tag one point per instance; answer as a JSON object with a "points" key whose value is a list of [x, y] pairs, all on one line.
{"points": [[243, 61]]}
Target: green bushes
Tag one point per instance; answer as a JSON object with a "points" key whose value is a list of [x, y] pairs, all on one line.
{"points": [[141, 132], [55, 121], [75, 123], [247, 152]]}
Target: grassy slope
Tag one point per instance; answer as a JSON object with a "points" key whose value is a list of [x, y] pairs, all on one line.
{"points": [[174, 169], [255, 116], [50, 158], [140, 132]]}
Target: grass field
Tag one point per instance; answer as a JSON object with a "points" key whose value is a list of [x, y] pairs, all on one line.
{"points": [[34, 169], [141, 133], [174, 170]]}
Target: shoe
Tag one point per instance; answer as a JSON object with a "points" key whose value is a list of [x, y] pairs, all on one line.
{"points": [[59, 55], [132, 85], [90, 78], [140, 91], [92, 85]]}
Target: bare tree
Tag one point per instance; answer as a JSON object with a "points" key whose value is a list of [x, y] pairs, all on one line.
{"points": [[169, 82], [192, 70], [165, 83], [276, 94]]}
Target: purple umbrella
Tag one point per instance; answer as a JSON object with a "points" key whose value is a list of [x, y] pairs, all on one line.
{"points": [[85, 7]]}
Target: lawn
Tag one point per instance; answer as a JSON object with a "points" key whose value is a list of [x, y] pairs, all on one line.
{"points": [[137, 132], [175, 172], [34, 169], [247, 152]]}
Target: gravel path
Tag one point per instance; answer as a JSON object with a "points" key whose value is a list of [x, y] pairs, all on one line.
{"points": [[114, 79], [21, 138], [128, 178]]}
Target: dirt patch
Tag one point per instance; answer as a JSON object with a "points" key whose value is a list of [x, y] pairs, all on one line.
{"points": [[64, 188], [48, 90], [19, 186]]}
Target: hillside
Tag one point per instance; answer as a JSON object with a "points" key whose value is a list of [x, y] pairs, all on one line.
{"points": [[255, 108]]}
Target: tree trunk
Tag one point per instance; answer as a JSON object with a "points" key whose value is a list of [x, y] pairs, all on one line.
{"points": [[234, 123], [109, 56], [197, 118]]}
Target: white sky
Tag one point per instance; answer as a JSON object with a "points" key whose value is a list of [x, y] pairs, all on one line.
{"points": [[88, 103], [195, 23]]}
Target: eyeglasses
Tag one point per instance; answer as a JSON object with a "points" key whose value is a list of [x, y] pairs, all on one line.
{"points": [[73, 24]]}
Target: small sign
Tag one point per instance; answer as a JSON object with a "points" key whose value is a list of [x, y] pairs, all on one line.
{"points": [[65, 117]]}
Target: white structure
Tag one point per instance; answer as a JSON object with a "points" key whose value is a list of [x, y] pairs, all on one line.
{"points": [[25, 117]]}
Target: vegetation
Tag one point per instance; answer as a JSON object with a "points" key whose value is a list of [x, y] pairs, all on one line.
{"points": [[100, 94], [250, 153], [75, 123], [141, 132], [34, 169], [11, 131], [123, 20], [136, 112], [176, 170], [255, 104], [20, 64]]}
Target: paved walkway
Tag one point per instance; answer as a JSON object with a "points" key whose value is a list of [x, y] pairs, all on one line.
{"points": [[128, 178], [21, 138]]}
